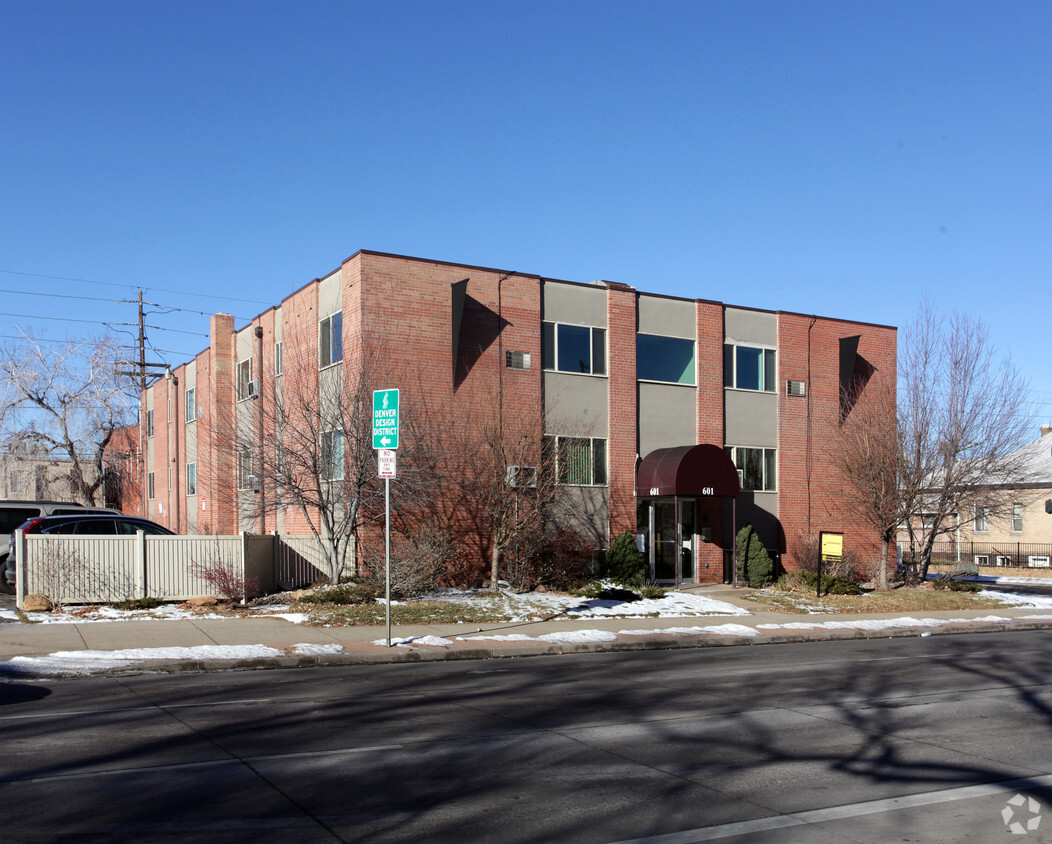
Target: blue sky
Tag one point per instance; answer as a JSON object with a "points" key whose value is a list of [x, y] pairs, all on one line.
{"points": [[844, 158]]}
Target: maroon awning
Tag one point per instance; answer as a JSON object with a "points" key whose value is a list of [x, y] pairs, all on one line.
{"points": [[687, 470]]}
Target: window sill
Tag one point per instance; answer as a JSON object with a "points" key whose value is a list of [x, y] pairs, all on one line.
{"points": [[568, 372]]}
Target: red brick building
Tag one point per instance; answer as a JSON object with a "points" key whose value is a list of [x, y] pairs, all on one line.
{"points": [[678, 419]]}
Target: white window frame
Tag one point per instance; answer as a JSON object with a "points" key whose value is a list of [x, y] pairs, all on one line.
{"points": [[330, 353], [149, 423], [555, 448], [244, 468], [244, 378], [981, 524], [277, 358], [554, 348], [151, 485], [191, 478], [190, 401], [1017, 518], [768, 484], [333, 455], [765, 387]]}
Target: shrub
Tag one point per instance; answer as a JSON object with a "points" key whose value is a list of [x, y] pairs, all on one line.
{"points": [[361, 592], [225, 580], [418, 562], [806, 581], [625, 563], [755, 565], [139, 604], [955, 584], [849, 569], [561, 558], [652, 590]]}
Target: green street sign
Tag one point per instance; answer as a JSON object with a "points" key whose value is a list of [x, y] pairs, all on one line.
{"points": [[385, 419]]}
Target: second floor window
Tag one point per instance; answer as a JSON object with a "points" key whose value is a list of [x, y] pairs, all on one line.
{"points": [[191, 405], [277, 358], [1017, 518], [191, 479], [573, 348], [330, 340], [748, 368], [244, 378], [668, 359], [149, 424], [245, 479], [150, 489]]}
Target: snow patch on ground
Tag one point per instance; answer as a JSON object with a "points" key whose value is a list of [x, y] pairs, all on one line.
{"points": [[89, 662], [308, 649]]}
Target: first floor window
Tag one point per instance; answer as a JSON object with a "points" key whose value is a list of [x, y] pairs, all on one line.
{"points": [[982, 519], [1017, 518], [245, 480], [332, 455], [576, 461], [149, 486], [756, 467], [191, 479]]}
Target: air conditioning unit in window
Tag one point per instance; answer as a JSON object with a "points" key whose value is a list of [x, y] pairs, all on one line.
{"points": [[517, 360], [521, 476], [1038, 562], [1004, 561], [796, 388], [253, 390]]}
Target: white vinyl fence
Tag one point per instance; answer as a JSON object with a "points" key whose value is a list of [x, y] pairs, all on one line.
{"points": [[105, 569]]}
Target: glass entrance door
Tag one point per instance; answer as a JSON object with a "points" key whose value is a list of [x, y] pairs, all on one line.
{"points": [[670, 540]]}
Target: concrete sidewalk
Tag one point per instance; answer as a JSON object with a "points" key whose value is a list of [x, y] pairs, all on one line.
{"points": [[296, 645]]}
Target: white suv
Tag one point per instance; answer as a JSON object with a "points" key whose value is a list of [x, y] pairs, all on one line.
{"points": [[13, 513]]}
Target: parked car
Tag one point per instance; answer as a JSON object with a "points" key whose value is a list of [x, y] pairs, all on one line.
{"points": [[14, 512], [94, 523]]}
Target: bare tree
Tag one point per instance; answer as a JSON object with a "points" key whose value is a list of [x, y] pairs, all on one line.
{"points": [[305, 451], [963, 414], [867, 449], [67, 400]]}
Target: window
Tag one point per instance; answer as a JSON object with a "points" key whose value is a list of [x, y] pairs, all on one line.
{"points": [[332, 455], [748, 368], [578, 461], [573, 348], [331, 340], [756, 467], [277, 358], [149, 423], [1017, 518], [191, 405], [150, 486], [664, 359], [245, 479], [982, 519], [244, 378], [191, 479]]}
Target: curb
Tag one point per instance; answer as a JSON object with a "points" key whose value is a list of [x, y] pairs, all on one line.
{"points": [[425, 653]]}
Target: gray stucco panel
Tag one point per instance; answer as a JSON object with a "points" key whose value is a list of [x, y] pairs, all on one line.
{"points": [[576, 405], [751, 418], [574, 304], [667, 416], [667, 317], [759, 327]]}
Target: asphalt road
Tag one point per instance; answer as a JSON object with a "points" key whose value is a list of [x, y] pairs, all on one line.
{"points": [[921, 739]]}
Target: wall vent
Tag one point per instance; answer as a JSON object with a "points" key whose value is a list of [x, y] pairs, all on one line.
{"points": [[520, 477], [518, 360], [796, 388]]}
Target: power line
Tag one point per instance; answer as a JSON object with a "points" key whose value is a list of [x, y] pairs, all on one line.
{"points": [[105, 323], [138, 287], [167, 308]]}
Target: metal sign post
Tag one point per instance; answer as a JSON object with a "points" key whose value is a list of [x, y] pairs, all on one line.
{"points": [[385, 440]]}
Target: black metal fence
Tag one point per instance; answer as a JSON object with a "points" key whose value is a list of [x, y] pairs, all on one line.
{"points": [[1033, 555]]}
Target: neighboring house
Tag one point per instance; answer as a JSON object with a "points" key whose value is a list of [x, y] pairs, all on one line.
{"points": [[124, 471], [30, 476], [678, 419], [1008, 525]]}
